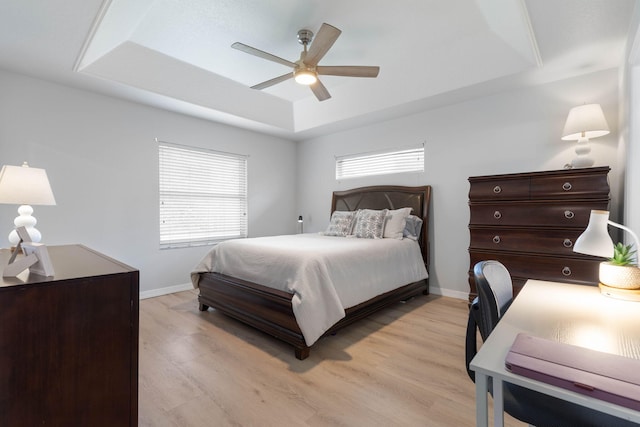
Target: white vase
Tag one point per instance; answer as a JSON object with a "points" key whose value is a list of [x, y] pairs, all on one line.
{"points": [[620, 276]]}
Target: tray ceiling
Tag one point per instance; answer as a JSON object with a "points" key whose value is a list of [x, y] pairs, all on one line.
{"points": [[176, 54]]}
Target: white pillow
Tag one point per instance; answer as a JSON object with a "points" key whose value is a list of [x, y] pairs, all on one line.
{"points": [[396, 221]]}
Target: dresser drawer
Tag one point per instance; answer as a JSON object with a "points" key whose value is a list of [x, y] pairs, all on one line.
{"points": [[593, 186], [561, 214], [553, 268], [503, 189], [544, 241]]}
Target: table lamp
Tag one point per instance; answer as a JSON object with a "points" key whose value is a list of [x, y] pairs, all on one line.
{"points": [[584, 122], [619, 281], [25, 186]]}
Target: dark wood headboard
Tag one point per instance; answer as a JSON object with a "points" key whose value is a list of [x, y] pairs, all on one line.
{"points": [[389, 197]]}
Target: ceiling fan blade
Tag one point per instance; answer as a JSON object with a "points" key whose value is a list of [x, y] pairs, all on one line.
{"points": [[272, 82], [320, 91], [262, 54], [322, 42], [348, 71]]}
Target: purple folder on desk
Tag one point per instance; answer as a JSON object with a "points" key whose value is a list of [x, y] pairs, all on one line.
{"points": [[603, 376]]}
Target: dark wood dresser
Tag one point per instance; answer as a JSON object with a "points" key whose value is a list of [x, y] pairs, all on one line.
{"points": [[69, 343], [529, 222]]}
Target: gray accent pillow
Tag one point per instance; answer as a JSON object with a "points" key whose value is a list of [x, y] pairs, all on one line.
{"points": [[412, 227], [341, 223], [370, 223]]}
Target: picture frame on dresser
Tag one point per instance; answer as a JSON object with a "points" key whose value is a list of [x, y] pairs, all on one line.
{"points": [[36, 257], [530, 221], [43, 266]]}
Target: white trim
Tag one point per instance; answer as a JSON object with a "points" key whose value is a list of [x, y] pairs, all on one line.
{"points": [[104, 7], [166, 290], [532, 35], [448, 293]]}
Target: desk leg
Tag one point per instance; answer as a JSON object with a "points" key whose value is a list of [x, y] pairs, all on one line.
{"points": [[482, 402], [498, 403]]}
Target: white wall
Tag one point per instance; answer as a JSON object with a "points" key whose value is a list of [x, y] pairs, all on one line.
{"points": [[631, 97], [516, 131], [632, 186], [102, 161]]}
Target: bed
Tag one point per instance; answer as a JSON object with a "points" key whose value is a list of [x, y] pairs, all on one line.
{"points": [[259, 303]]}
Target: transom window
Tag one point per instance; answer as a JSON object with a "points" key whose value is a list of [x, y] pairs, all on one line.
{"points": [[380, 163]]}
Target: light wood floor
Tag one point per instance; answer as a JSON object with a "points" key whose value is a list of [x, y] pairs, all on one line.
{"points": [[403, 366]]}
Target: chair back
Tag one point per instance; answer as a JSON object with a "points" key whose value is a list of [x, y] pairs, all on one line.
{"points": [[495, 293]]}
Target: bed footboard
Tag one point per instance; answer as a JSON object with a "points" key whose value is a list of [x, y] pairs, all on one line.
{"points": [[266, 309], [270, 310]]}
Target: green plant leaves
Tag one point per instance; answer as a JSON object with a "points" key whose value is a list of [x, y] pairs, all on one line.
{"points": [[622, 254]]}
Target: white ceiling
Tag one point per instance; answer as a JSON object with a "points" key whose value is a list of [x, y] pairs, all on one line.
{"points": [[176, 54]]}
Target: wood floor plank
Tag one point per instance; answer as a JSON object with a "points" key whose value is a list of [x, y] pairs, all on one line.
{"points": [[402, 366]]}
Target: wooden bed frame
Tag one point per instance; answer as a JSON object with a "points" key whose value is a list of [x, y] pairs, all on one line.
{"points": [[270, 310]]}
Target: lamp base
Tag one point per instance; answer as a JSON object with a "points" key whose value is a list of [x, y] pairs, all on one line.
{"points": [[27, 221], [620, 293], [583, 160]]}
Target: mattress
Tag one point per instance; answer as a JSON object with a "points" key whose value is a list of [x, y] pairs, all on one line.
{"points": [[325, 274]]}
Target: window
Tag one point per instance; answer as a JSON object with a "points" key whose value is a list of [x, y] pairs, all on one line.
{"points": [[203, 196], [380, 163]]}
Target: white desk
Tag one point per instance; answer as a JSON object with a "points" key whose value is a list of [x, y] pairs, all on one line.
{"points": [[572, 314]]}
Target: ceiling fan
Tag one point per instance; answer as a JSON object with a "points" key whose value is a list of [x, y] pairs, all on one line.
{"points": [[306, 69]]}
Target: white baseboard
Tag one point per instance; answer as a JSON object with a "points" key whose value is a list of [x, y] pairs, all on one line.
{"points": [[449, 293], [164, 291]]}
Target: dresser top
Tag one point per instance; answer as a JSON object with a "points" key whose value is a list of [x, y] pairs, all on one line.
{"points": [[69, 262], [559, 172]]}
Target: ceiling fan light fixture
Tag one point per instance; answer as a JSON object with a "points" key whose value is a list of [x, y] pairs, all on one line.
{"points": [[305, 77], [306, 69]]}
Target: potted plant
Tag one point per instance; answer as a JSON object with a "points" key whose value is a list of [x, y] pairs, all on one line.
{"points": [[620, 271]]}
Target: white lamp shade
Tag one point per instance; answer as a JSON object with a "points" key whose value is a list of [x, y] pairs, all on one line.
{"points": [[22, 185], [595, 239], [585, 121]]}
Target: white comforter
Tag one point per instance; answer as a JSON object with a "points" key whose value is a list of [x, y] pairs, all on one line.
{"points": [[325, 274]]}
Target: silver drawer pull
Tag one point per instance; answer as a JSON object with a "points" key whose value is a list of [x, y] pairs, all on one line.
{"points": [[569, 214], [567, 243], [566, 186], [497, 189], [566, 271], [497, 215], [496, 239]]}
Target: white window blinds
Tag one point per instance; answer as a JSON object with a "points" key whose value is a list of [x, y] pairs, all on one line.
{"points": [[203, 196], [380, 163]]}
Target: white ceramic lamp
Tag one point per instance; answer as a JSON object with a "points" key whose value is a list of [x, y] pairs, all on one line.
{"points": [[584, 122], [25, 186]]}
